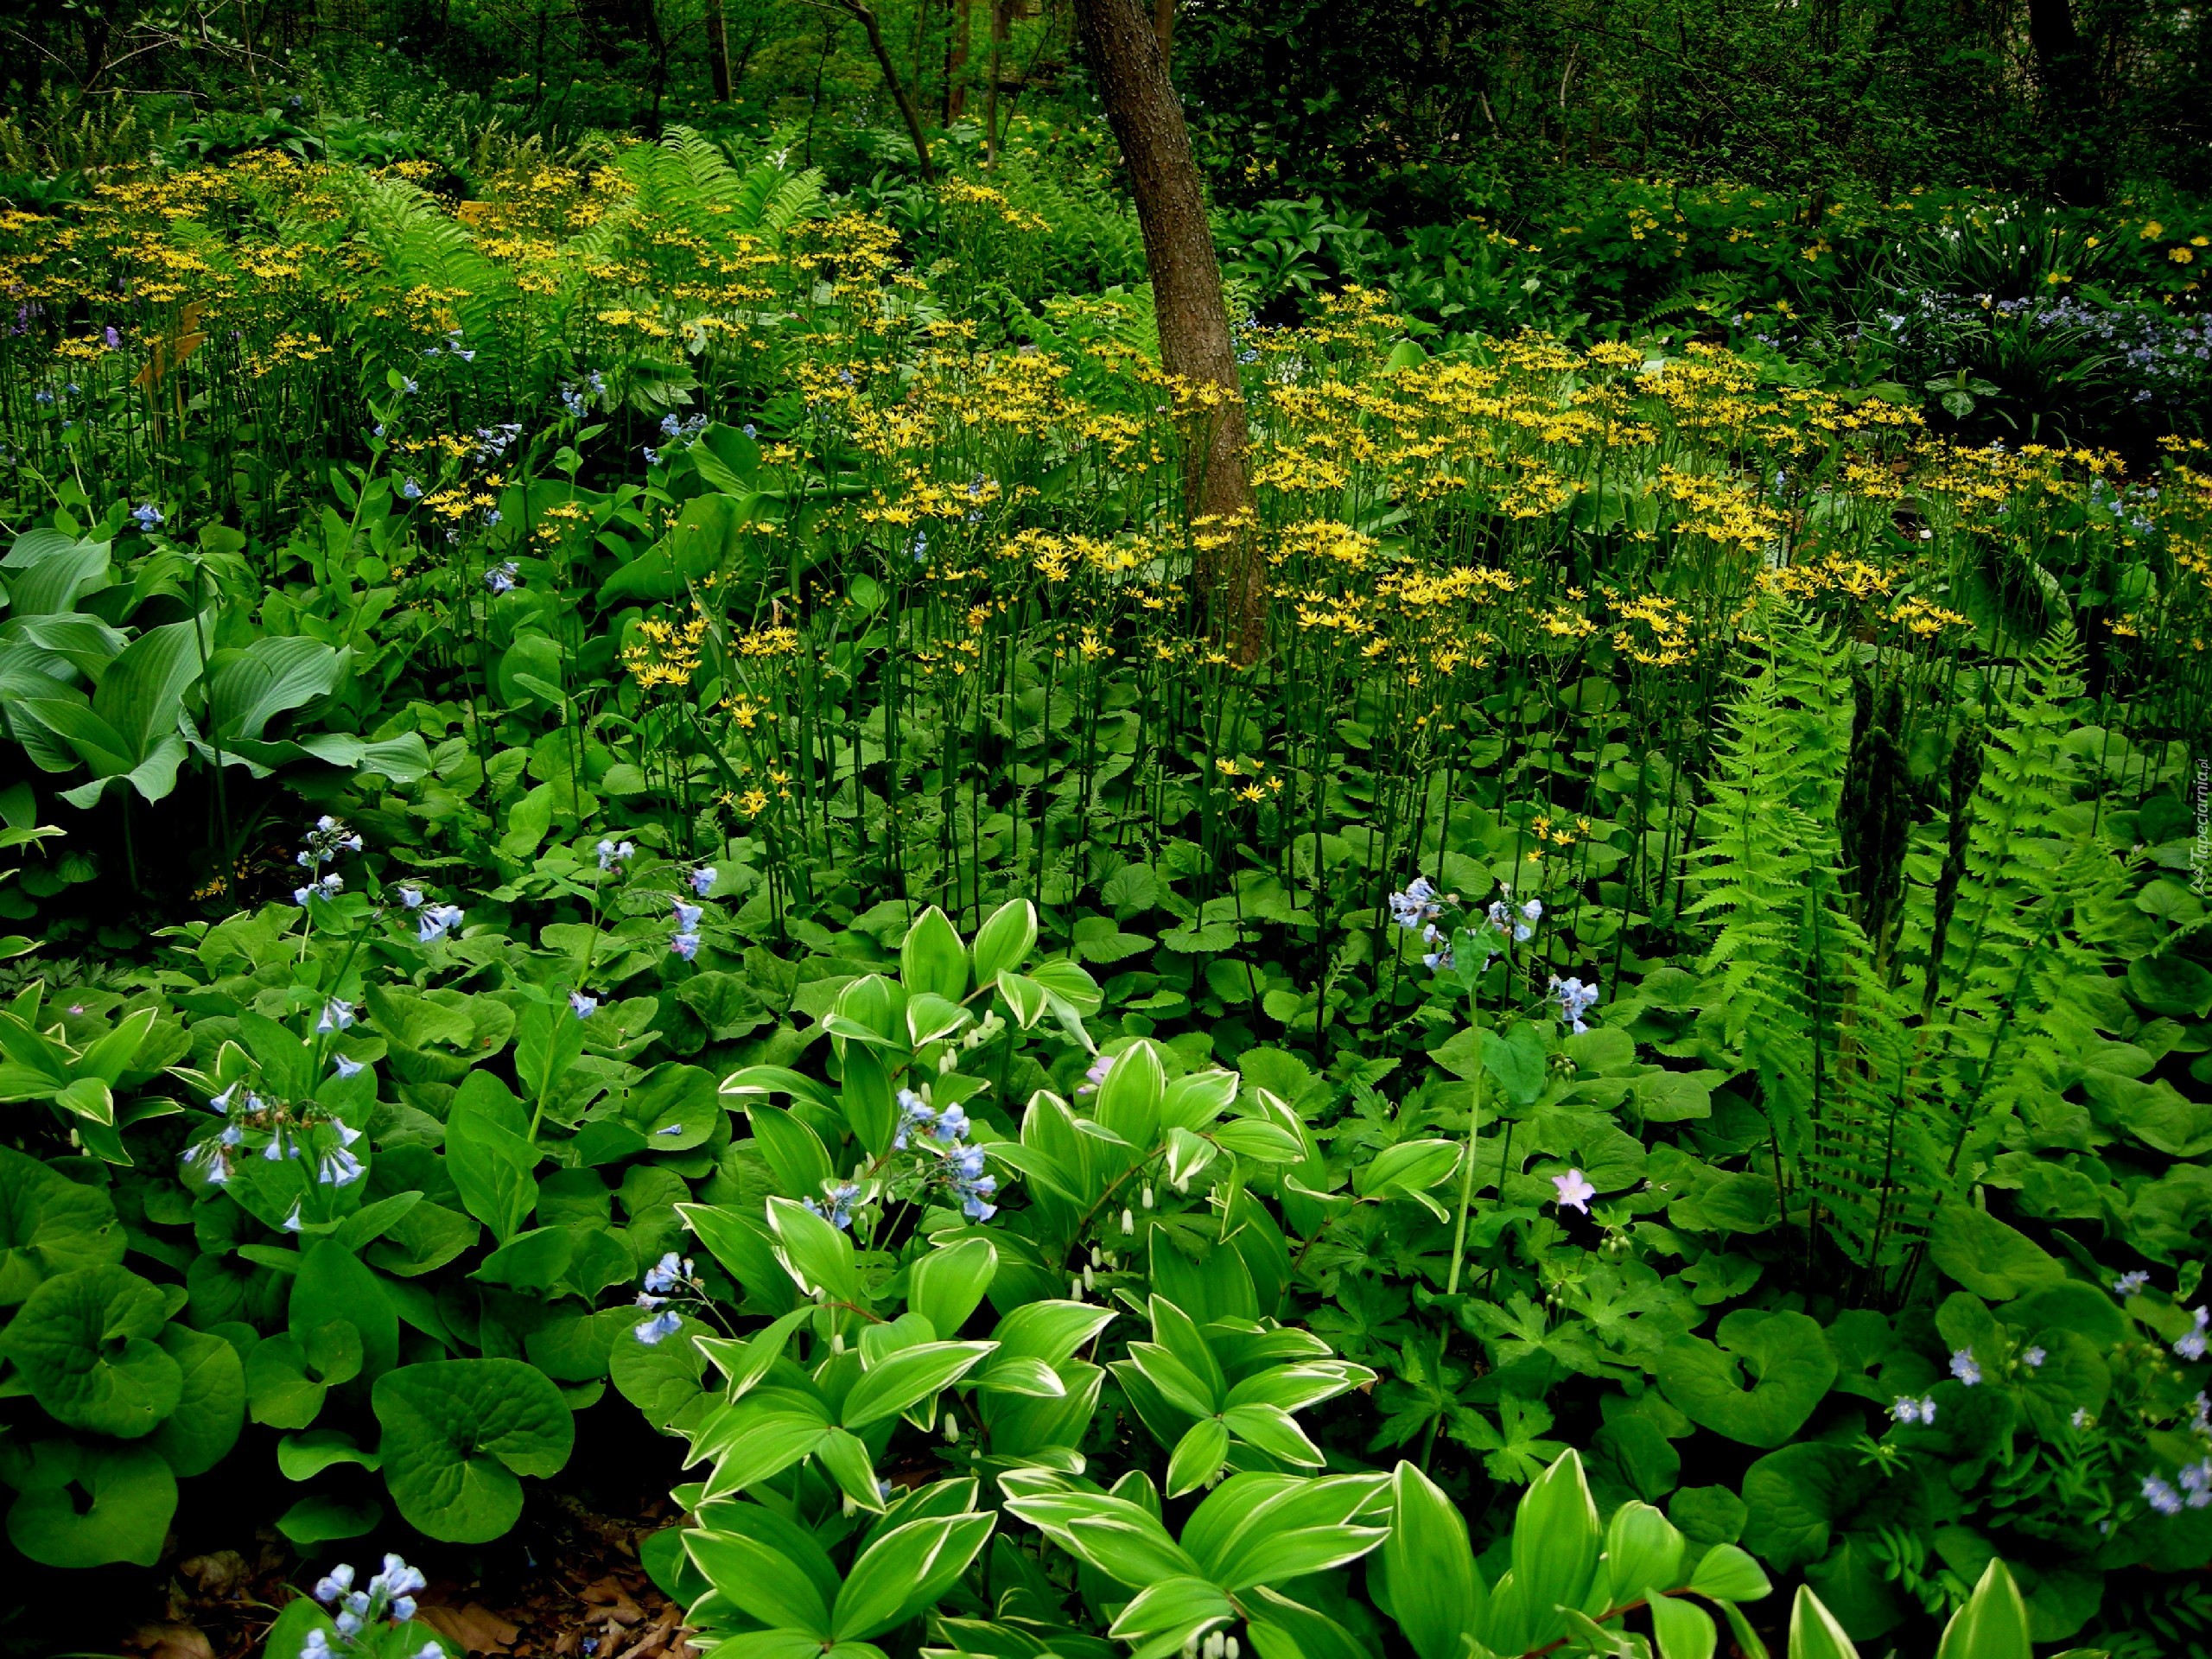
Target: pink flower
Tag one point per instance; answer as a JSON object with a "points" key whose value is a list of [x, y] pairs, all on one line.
{"points": [[1574, 1191]]}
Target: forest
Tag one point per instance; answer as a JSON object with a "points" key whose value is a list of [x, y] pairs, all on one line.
{"points": [[1418, 791]]}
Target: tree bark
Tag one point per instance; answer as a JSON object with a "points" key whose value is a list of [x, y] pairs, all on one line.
{"points": [[866, 18], [956, 62], [718, 50], [999, 20], [2066, 71], [1193, 319], [1163, 24]]}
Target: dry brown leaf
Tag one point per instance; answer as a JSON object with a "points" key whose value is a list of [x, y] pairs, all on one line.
{"points": [[171, 1642], [655, 1639], [608, 1598], [216, 1574], [475, 1627]]}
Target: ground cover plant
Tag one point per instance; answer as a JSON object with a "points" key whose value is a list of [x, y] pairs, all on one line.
{"points": [[636, 834]]}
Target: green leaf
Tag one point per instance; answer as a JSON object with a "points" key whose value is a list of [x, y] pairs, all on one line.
{"points": [[947, 1285], [817, 1255], [1003, 943], [302, 1457], [675, 1107], [1118, 1538], [1814, 1631], [492, 1168], [1727, 1573], [760, 1581], [273, 675], [1555, 1544], [1987, 1257], [1643, 1551], [333, 1286], [48, 1224], [1129, 1101], [129, 1494], [319, 1518], [1435, 1594], [908, 1378], [456, 1435], [84, 1344], [1788, 1357], [1683, 1631], [1197, 1457], [905, 1572], [1993, 1625], [200, 1432], [931, 960]]}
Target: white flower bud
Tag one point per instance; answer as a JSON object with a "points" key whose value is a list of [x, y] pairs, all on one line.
{"points": [[1147, 1195], [1128, 1222]]}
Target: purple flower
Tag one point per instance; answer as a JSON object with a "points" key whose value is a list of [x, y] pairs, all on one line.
{"points": [[2161, 1497], [1965, 1366], [1574, 1191]]}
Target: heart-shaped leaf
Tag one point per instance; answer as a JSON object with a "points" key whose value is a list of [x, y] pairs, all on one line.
{"points": [[84, 1344], [1789, 1363], [456, 1435], [85, 1507]]}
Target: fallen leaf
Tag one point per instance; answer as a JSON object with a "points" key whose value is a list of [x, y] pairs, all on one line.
{"points": [[216, 1574], [171, 1642], [475, 1628]]}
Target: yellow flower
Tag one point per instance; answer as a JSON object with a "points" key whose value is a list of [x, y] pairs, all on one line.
{"points": [[2180, 256]]}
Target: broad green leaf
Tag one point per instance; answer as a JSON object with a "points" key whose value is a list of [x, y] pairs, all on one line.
{"points": [[1993, 1625], [1555, 1541], [947, 1285], [1003, 942], [50, 1224], [200, 1432], [1434, 1592], [817, 1255], [1814, 1631], [931, 959], [1684, 1631], [1789, 1363], [84, 1342], [1129, 1101], [129, 1494], [905, 1572], [333, 1286], [1727, 1573], [761, 1582], [1987, 1257], [1643, 1551], [1197, 1457], [456, 1435], [909, 1376]]}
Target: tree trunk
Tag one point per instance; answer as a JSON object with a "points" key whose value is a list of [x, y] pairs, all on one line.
{"points": [[1163, 24], [718, 50], [1193, 319], [2066, 71], [956, 63], [999, 19], [866, 18]]}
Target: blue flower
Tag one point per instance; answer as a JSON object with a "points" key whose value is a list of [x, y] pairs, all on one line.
{"points": [[337, 1015], [1965, 1366], [661, 1326], [585, 1007], [1574, 1001], [148, 516], [1416, 905], [334, 1583], [703, 880], [611, 854], [502, 578], [2192, 1344], [2161, 1497], [687, 916], [685, 945], [2129, 1283], [843, 1198], [348, 1067], [665, 1275], [438, 920]]}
